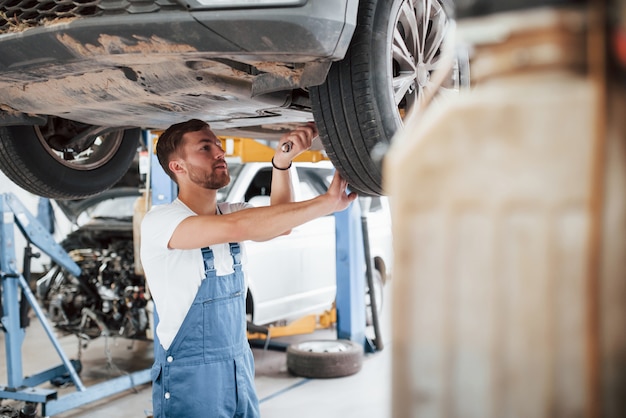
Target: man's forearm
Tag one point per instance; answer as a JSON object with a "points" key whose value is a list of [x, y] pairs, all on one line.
{"points": [[289, 147], [281, 189], [259, 224], [255, 224], [262, 224]]}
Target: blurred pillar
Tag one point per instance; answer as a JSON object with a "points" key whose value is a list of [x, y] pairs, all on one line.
{"points": [[350, 267], [509, 212]]}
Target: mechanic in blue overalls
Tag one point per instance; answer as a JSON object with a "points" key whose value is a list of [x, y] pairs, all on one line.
{"points": [[192, 256]]}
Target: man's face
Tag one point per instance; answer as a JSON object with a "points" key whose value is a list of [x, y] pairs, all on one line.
{"points": [[204, 159]]}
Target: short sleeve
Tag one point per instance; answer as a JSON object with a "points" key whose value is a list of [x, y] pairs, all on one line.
{"points": [[159, 224]]}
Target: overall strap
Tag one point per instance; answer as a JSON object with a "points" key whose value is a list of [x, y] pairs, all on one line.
{"points": [[207, 256], [235, 252], [235, 248]]}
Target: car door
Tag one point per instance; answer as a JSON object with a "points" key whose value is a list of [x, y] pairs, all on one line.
{"points": [[292, 275]]}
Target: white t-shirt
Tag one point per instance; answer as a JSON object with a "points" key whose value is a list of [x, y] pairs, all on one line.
{"points": [[174, 275]]}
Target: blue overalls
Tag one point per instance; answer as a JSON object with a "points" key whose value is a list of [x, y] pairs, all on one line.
{"points": [[208, 371]]}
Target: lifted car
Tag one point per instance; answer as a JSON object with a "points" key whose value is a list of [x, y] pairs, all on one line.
{"points": [[79, 78]]}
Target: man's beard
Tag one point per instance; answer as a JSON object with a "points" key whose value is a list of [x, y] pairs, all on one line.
{"points": [[211, 180]]}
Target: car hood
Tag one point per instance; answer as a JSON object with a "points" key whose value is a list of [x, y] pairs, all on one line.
{"points": [[73, 208]]}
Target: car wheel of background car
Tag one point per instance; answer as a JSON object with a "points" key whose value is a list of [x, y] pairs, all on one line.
{"points": [[395, 48], [324, 358], [64, 159]]}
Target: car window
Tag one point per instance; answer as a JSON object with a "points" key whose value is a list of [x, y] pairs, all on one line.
{"points": [[376, 204], [260, 185], [314, 181], [317, 179]]}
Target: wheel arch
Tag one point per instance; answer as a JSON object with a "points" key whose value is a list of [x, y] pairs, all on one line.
{"points": [[381, 266], [250, 304]]}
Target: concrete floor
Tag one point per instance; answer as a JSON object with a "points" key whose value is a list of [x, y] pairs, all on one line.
{"points": [[365, 394]]}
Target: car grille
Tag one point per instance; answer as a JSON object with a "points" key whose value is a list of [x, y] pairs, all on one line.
{"points": [[18, 15]]}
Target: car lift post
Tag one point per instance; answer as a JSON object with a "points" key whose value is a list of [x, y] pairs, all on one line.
{"points": [[351, 270], [377, 342], [11, 282]]}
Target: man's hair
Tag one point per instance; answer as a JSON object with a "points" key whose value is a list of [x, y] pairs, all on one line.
{"points": [[169, 142]]}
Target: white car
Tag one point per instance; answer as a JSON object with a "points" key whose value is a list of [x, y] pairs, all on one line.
{"points": [[288, 277], [294, 275]]}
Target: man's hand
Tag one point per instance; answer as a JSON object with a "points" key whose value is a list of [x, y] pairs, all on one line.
{"points": [[293, 144], [337, 193]]}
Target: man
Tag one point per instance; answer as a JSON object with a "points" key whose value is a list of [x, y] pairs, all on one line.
{"points": [[191, 255]]}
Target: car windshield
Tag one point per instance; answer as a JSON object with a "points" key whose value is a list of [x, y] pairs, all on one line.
{"points": [[314, 180]]}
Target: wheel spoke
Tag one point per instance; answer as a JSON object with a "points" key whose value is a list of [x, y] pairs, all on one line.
{"points": [[421, 97], [401, 53], [433, 64], [427, 93], [408, 20], [438, 33], [402, 84], [425, 21]]}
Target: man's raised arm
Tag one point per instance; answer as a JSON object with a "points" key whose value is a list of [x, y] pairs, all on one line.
{"points": [[259, 224]]}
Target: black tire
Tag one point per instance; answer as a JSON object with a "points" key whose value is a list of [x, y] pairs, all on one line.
{"points": [[355, 109], [324, 358], [27, 158]]}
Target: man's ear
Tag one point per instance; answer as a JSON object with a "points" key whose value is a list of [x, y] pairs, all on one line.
{"points": [[176, 167]]}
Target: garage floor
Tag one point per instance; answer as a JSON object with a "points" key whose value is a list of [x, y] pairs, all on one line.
{"points": [[365, 394]]}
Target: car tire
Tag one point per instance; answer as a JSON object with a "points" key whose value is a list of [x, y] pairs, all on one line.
{"points": [[324, 358], [355, 109], [28, 160]]}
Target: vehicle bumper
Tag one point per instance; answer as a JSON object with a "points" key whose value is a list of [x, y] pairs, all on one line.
{"points": [[319, 30]]}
